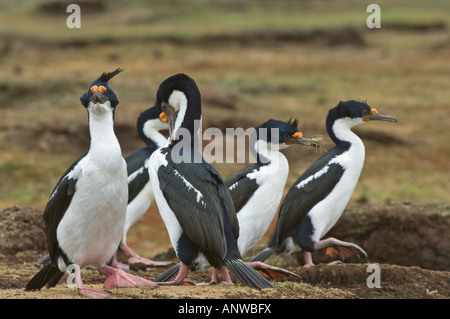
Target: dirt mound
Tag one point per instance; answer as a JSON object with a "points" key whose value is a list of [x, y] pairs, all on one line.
{"points": [[395, 281], [403, 240], [21, 230], [400, 234]]}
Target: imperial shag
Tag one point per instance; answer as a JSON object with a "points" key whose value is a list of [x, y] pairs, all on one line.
{"points": [[140, 192], [317, 199], [257, 189], [85, 213], [192, 198]]}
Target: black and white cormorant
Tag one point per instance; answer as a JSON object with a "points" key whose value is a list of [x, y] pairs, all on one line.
{"points": [[257, 189], [140, 192], [85, 214], [317, 199], [192, 198]]}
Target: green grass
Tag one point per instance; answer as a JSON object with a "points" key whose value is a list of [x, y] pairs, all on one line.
{"points": [[401, 73], [150, 21]]}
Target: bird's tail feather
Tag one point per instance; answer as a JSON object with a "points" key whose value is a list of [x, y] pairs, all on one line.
{"points": [[43, 260], [48, 276], [168, 274], [263, 255], [247, 274]]}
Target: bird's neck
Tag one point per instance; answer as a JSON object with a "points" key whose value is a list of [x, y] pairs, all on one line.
{"points": [[345, 138], [104, 145], [340, 131], [190, 131], [186, 147], [149, 132], [267, 152], [157, 139], [189, 118]]}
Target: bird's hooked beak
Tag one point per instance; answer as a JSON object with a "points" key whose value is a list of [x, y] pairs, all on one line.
{"points": [[296, 138], [97, 94], [375, 116], [169, 116]]}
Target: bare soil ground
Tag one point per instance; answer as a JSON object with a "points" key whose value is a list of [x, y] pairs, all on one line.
{"points": [[408, 241]]}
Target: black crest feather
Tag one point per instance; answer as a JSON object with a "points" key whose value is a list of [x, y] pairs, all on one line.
{"points": [[105, 77], [293, 123]]}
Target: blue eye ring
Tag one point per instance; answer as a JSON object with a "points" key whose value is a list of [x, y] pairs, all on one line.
{"points": [[163, 106]]}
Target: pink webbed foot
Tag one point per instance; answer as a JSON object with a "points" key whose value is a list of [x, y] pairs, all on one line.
{"points": [[117, 278], [335, 247], [135, 259], [147, 262], [119, 265], [225, 277], [271, 272], [180, 278]]}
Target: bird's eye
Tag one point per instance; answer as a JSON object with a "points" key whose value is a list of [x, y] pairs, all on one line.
{"points": [[364, 112], [286, 135], [163, 106]]}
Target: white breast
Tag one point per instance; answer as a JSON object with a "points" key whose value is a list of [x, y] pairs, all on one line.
{"points": [[326, 213], [170, 220], [257, 214], [91, 229]]}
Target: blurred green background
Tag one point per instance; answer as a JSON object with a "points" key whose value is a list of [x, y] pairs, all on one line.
{"points": [[252, 60]]}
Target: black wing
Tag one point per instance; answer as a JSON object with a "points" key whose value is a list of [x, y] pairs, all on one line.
{"points": [[138, 175], [242, 188], [299, 201], [57, 205], [226, 200], [196, 194]]}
